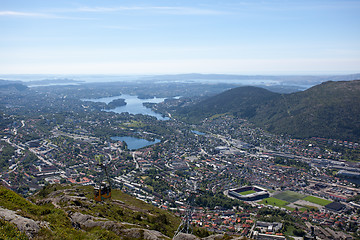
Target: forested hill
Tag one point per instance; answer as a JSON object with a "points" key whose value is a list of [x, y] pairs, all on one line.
{"points": [[331, 109], [11, 85], [241, 101]]}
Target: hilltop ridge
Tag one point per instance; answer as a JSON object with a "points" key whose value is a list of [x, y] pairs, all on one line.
{"points": [[330, 109], [69, 212]]}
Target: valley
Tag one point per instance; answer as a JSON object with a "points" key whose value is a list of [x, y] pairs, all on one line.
{"points": [[49, 135]]}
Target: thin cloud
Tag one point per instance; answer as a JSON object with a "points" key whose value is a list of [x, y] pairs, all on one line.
{"points": [[23, 14], [38, 15], [312, 5], [123, 27], [149, 9], [105, 9], [156, 9]]}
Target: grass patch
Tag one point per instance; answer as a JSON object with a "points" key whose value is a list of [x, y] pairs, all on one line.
{"points": [[307, 208], [247, 192], [289, 196], [317, 200], [274, 202], [311, 208], [289, 208], [133, 124], [60, 224], [13, 201], [10, 232], [217, 116]]}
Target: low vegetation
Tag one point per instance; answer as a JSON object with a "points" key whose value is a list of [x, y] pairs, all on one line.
{"points": [[123, 209], [10, 232], [212, 200]]}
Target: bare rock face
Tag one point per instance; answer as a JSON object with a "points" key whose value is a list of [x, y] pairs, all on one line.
{"points": [[84, 221], [185, 236], [26, 225], [59, 196], [138, 233]]}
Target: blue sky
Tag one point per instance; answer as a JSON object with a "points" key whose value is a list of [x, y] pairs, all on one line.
{"points": [[167, 37]]}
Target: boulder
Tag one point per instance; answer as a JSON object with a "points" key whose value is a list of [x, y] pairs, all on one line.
{"points": [[25, 225]]}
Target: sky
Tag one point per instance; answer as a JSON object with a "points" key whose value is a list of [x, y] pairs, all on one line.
{"points": [[179, 36]]}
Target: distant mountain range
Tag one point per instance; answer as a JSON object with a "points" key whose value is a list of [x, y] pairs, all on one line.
{"points": [[52, 82], [11, 85], [330, 109], [281, 79]]}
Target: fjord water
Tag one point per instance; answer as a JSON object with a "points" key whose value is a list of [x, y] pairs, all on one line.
{"points": [[134, 105]]}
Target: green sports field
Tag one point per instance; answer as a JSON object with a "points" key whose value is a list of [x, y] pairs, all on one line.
{"points": [[247, 192], [316, 200], [289, 196], [274, 202]]}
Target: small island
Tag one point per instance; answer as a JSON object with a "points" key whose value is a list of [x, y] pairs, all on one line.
{"points": [[115, 103], [145, 96]]}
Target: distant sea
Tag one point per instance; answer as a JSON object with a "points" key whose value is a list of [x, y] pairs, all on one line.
{"points": [[301, 81]]}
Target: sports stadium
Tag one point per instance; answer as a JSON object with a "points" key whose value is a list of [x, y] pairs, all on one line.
{"points": [[249, 193]]}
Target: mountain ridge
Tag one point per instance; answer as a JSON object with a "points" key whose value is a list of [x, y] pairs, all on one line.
{"points": [[330, 109]]}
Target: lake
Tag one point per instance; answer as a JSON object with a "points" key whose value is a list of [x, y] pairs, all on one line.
{"points": [[135, 143], [134, 105], [197, 132]]}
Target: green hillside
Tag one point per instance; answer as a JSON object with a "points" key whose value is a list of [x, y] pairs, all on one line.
{"points": [[68, 212], [331, 110], [241, 102]]}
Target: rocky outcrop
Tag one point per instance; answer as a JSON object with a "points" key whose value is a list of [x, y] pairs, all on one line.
{"points": [[26, 225], [61, 196], [138, 233], [88, 218], [185, 236], [84, 221]]}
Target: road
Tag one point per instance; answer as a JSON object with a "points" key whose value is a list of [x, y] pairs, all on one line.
{"points": [[135, 161], [31, 150], [40, 157]]}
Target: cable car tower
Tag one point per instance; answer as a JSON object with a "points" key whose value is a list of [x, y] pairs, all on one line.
{"points": [[185, 225], [102, 191]]}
